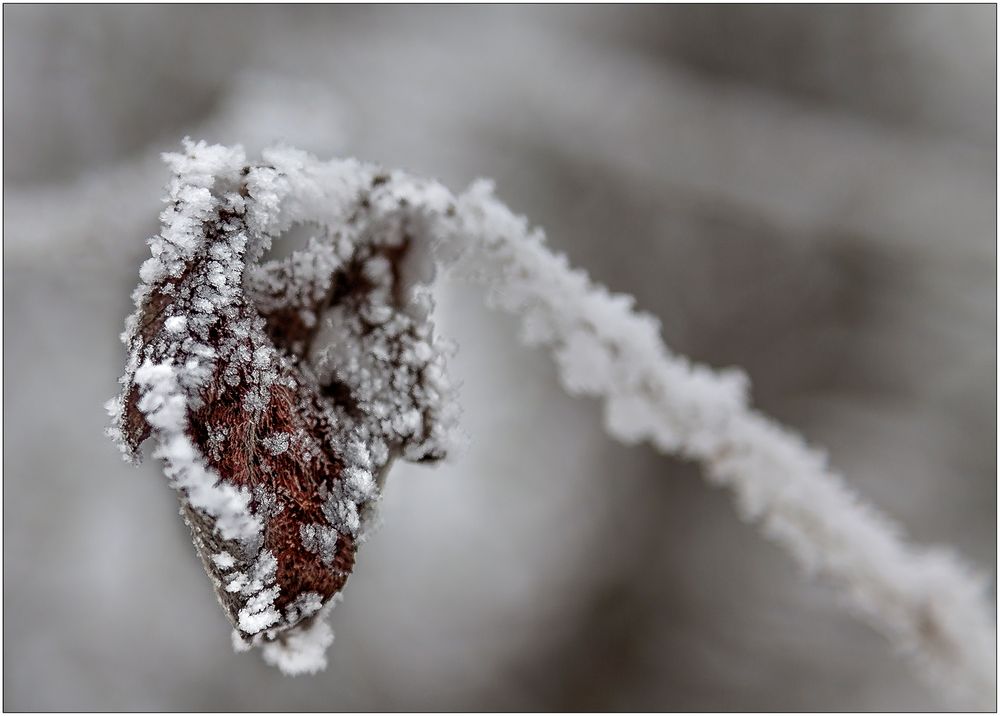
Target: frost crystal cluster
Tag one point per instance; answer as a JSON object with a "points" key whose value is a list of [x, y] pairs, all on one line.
{"points": [[279, 393]]}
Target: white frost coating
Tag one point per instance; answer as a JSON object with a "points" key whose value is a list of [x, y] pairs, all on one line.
{"points": [[320, 539], [258, 586], [182, 361], [276, 443], [175, 324], [343, 507], [222, 214], [304, 606], [303, 650], [165, 408], [240, 645], [252, 622], [932, 606], [224, 560]]}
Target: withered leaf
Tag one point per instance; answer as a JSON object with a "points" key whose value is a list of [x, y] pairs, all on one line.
{"points": [[279, 393]]}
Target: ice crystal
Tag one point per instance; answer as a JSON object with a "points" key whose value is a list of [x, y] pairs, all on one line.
{"points": [[276, 443]]}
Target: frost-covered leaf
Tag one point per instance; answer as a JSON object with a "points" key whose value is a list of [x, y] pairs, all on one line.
{"points": [[278, 394]]}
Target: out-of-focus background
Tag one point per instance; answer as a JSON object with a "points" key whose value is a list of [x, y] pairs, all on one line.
{"points": [[807, 192]]}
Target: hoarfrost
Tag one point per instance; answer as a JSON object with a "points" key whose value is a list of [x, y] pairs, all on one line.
{"points": [[352, 314], [302, 651], [224, 560], [222, 373], [276, 443], [320, 539]]}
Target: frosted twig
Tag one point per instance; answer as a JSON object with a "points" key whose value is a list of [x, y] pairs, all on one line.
{"points": [[930, 605]]}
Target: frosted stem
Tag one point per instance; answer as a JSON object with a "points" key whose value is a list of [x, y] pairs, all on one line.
{"points": [[926, 601]]}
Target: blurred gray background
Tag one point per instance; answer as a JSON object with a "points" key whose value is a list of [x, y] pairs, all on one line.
{"points": [[807, 192]]}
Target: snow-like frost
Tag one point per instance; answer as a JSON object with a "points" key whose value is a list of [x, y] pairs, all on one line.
{"points": [[303, 651], [930, 604], [310, 373], [165, 407], [224, 560], [277, 443]]}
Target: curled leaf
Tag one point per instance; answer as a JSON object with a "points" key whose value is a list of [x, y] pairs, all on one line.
{"points": [[279, 393]]}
